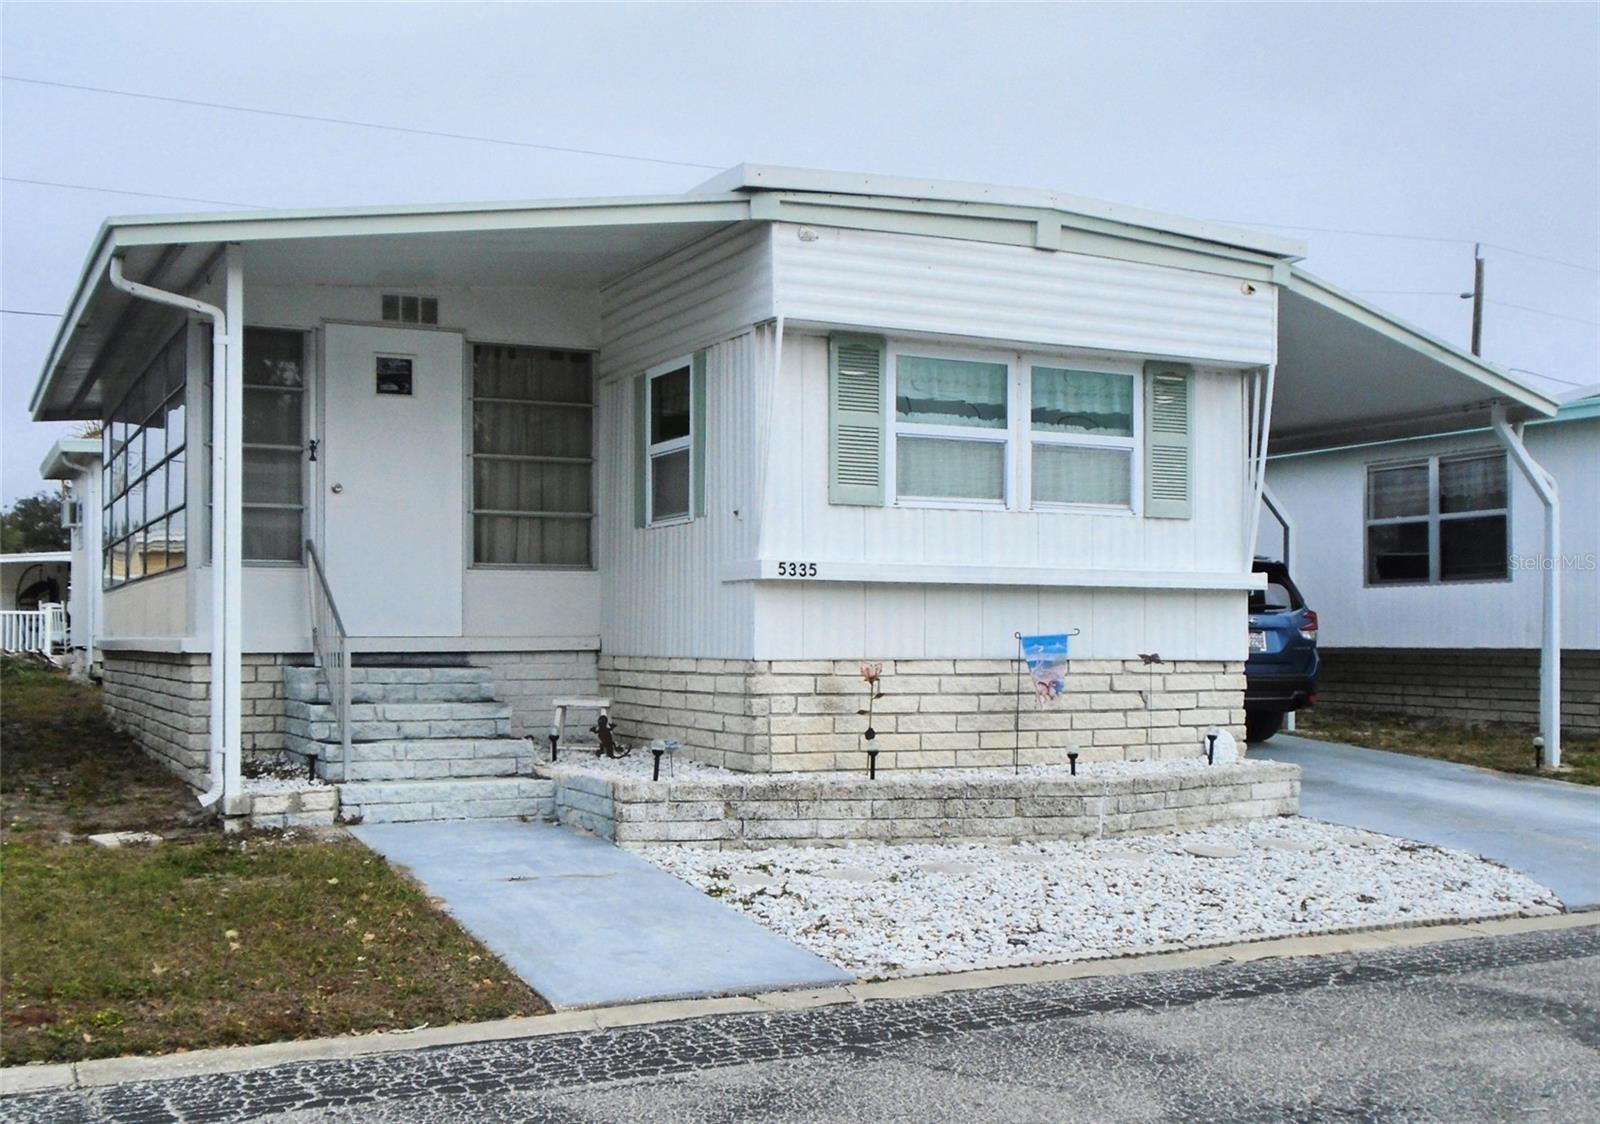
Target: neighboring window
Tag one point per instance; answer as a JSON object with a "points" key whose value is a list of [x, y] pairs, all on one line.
{"points": [[274, 445], [950, 424], [145, 485], [1083, 436], [532, 456], [402, 309], [1441, 519], [669, 442]]}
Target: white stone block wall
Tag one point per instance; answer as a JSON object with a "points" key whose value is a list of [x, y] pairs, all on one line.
{"points": [[529, 681], [798, 716]]}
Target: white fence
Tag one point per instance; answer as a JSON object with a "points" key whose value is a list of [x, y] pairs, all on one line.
{"points": [[42, 630]]}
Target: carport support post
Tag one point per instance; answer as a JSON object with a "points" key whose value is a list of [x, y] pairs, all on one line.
{"points": [[232, 601], [1544, 485]]}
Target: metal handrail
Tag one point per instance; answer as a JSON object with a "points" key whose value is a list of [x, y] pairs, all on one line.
{"points": [[330, 645]]}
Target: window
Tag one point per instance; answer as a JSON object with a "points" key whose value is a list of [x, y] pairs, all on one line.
{"points": [[143, 439], [274, 445], [669, 442], [951, 423], [1082, 435], [404, 309], [532, 456], [1440, 519]]}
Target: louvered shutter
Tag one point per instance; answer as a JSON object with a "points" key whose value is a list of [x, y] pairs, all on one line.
{"points": [[697, 431], [641, 450], [855, 420], [1168, 445]]}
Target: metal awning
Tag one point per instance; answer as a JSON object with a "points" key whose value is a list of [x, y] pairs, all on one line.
{"points": [[1349, 373]]}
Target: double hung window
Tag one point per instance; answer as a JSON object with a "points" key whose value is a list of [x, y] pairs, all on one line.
{"points": [[1437, 519], [670, 440]]}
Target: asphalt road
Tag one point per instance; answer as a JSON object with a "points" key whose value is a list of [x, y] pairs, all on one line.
{"points": [[1544, 828], [1483, 1029]]}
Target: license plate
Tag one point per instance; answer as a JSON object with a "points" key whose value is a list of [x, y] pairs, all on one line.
{"points": [[1258, 641]]}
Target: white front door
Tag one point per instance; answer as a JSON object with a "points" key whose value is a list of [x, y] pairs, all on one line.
{"points": [[392, 477]]}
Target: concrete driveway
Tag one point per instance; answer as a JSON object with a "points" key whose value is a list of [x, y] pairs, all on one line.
{"points": [[1547, 829]]}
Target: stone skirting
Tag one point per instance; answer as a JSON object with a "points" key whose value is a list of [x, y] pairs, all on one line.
{"points": [[1474, 685], [799, 716], [762, 811], [163, 701], [303, 807]]}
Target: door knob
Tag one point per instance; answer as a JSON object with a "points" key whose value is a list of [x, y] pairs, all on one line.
{"points": [[336, 489]]}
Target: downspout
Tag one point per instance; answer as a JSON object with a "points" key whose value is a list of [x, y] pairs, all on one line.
{"points": [[217, 763], [1544, 485]]}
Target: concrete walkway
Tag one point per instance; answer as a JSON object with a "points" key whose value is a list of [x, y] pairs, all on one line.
{"points": [[585, 923], [1547, 829]]}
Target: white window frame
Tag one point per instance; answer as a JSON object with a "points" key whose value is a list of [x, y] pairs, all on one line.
{"points": [[1018, 436], [895, 428], [1133, 444], [652, 450], [1433, 518], [304, 390]]}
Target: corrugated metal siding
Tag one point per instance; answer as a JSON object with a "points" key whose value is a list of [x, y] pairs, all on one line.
{"points": [[985, 291], [703, 293], [827, 620], [1326, 497], [663, 589]]}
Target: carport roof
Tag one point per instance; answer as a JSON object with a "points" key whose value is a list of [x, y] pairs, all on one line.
{"points": [[1344, 369]]}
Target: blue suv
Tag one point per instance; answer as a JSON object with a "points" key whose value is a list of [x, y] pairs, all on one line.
{"points": [[1281, 672]]}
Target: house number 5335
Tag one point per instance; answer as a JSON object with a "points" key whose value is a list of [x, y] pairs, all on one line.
{"points": [[797, 569]]}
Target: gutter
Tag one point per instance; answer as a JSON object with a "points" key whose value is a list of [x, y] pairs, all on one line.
{"points": [[1544, 485], [219, 764]]}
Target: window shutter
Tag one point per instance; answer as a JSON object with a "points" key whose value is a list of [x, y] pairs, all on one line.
{"points": [[855, 420], [1168, 440], [697, 432], [641, 446]]}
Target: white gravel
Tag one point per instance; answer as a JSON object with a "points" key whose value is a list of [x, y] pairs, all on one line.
{"points": [[278, 785], [884, 910]]}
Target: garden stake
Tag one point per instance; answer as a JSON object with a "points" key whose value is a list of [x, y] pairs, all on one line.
{"points": [[655, 771], [1072, 763], [1211, 749], [553, 739]]}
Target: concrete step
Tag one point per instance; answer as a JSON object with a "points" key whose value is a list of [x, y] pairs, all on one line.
{"points": [[456, 799], [494, 722], [423, 759], [396, 685]]}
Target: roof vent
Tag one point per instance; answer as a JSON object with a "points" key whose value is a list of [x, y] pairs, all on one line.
{"points": [[399, 308]]}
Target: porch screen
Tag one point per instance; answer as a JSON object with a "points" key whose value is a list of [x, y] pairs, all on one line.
{"points": [[532, 456]]}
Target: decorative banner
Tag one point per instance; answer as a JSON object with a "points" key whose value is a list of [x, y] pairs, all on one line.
{"points": [[1046, 657]]}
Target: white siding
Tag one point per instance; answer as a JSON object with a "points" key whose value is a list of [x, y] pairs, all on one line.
{"points": [[707, 292], [827, 620], [980, 290], [1325, 495], [663, 590]]}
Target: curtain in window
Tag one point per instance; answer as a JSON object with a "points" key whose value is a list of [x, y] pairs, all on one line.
{"points": [[1077, 474], [1082, 402], [1475, 484], [533, 448], [950, 392], [1398, 491], [941, 469]]}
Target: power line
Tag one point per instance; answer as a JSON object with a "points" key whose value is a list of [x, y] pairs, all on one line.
{"points": [[1414, 238], [1542, 375], [123, 191], [27, 312], [1542, 312], [436, 133]]}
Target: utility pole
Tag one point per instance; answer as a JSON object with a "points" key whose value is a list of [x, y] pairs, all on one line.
{"points": [[1477, 298]]}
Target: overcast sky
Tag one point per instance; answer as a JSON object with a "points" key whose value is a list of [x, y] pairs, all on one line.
{"points": [[1441, 122]]}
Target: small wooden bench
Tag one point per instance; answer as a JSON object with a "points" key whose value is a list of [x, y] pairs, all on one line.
{"points": [[558, 724]]}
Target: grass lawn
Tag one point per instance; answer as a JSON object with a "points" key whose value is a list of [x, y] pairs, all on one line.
{"points": [[203, 940], [1509, 750]]}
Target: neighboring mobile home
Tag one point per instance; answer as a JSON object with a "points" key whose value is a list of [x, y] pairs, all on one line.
{"points": [[75, 462], [702, 454], [1425, 559]]}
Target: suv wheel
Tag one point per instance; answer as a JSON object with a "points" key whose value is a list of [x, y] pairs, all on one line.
{"points": [[1259, 726]]}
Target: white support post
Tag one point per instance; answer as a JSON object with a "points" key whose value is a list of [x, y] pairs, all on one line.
{"points": [[1258, 476], [1544, 485], [232, 521]]}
